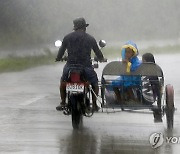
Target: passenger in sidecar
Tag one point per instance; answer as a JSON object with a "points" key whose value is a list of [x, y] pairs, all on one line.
{"points": [[129, 54]]}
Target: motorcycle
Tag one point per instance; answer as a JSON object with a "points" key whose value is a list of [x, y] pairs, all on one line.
{"points": [[79, 92]]}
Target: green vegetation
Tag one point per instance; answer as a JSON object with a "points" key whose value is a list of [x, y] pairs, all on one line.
{"points": [[165, 49], [22, 63], [111, 52], [115, 52]]}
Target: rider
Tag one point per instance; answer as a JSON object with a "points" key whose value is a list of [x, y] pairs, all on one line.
{"points": [[79, 45]]}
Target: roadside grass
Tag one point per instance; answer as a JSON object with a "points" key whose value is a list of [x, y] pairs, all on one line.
{"points": [[115, 52], [169, 49], [13, 63], [21, 63]]}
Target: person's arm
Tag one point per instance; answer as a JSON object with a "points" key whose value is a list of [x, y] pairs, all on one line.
{"points": [[97, 51], [61, 51], [135, 63]]}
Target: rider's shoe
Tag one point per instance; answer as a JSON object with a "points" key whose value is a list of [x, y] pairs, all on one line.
{"points": [[61, 106]]}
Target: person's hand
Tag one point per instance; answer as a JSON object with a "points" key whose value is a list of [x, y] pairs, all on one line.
{"points": [[57, 59]]}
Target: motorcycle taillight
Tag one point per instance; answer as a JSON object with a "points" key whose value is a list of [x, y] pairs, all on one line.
{"points": [[75, 77]]}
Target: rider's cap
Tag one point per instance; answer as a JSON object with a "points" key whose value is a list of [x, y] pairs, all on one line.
{"points": [[79, 23]]}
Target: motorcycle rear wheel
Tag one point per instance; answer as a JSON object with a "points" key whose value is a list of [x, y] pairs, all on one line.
{"points": [[75, 113]]}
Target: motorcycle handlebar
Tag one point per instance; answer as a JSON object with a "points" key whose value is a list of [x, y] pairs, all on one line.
{"points": [[93, 59]]}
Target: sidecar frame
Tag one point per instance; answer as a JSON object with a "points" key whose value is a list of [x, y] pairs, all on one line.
{"points": [[164, 101]]}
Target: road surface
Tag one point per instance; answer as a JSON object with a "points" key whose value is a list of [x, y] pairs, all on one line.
{"points": [[30, 124]]}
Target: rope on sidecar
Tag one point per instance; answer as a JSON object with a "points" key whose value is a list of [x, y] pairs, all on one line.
{"points": [[100, 101], [96, 96]]}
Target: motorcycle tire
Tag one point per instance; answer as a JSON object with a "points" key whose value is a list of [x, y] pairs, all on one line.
{"points": [[75, 113]]}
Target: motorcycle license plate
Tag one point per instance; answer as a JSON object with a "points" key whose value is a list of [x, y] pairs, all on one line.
{"points": [[74, 87]]}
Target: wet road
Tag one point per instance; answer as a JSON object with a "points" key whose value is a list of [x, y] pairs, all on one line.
{"points": [[29, 122]]}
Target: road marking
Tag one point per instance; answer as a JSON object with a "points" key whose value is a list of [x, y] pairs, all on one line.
{"points": [[33, 100]]}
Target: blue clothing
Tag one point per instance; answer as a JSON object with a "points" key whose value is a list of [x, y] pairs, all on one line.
{"points": [[125, 80], [130, 44], [135, 63]]}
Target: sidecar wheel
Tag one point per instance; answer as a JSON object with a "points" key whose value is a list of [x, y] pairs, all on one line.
{"points": [[169, 90]]}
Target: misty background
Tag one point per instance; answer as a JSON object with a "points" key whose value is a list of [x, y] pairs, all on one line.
{"points": [[26, 24]]}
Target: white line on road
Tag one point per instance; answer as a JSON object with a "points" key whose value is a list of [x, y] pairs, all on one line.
{"points": [[33, 100]]}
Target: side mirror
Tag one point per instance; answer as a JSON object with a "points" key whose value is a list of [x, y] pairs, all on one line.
{"points": [[102, 43], [58, 43]]}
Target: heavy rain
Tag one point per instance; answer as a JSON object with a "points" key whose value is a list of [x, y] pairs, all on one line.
{"points": [[30, 78]]}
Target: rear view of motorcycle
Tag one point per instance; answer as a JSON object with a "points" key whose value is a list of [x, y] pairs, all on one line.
{"points": [[79, 93]]}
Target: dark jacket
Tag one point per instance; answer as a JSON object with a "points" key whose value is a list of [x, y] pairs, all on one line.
{"points": [[79, 45]]}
